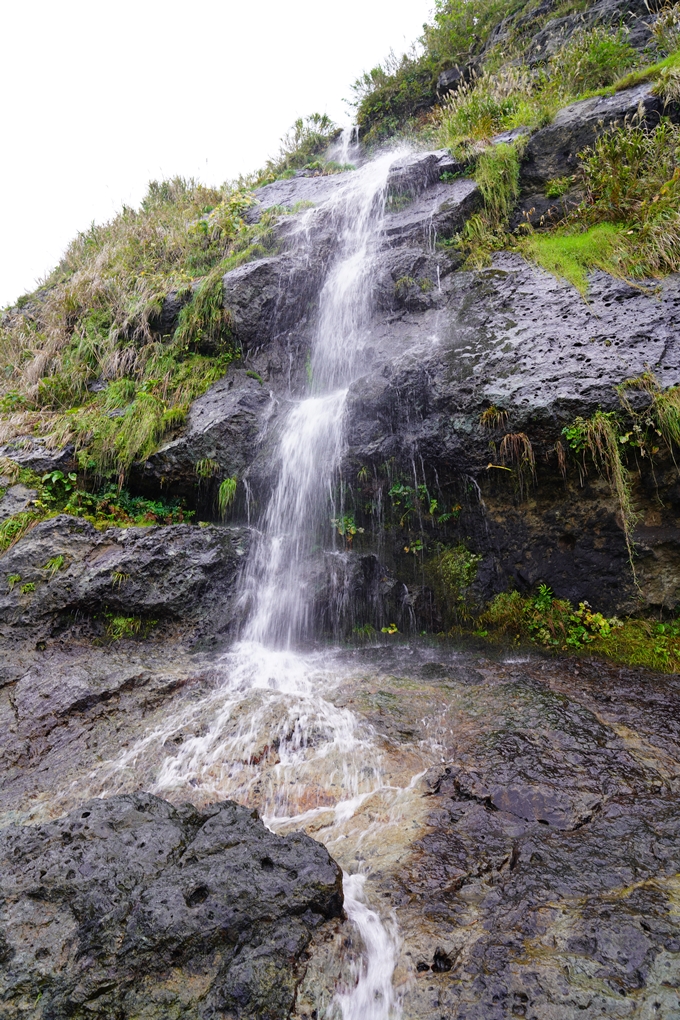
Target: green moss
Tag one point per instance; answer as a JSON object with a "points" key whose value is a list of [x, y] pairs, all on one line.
{"points": [[571, 254]]}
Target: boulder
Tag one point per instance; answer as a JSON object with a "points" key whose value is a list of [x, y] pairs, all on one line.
{"points": [[64, 568], [224, 426], [553, 151], [439, 211], [269, 296], [130, 906], [413, 173], [450, 80], [15, 499]]}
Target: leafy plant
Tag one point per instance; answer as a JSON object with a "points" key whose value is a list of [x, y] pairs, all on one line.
{"points": [[225, 496], [13, 579], [347, 528], [119, 627], [548, 621], [591, 59], [57, 485], [118, 578], [14, 528], [391, 628], [26, 589]]}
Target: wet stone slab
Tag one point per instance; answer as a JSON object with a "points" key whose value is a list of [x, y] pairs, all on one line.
{"points": [[516, 821]]}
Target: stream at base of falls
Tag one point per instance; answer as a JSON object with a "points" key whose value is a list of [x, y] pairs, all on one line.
{"points": [[278, 734]]}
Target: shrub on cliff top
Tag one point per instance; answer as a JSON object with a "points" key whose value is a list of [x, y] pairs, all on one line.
{"points": [[308, 138]]}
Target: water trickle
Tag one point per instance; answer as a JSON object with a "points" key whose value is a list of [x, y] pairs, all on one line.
{"points": [[372, 998]]}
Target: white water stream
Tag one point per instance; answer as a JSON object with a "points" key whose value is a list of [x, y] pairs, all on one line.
{"points": [[268, 735]]}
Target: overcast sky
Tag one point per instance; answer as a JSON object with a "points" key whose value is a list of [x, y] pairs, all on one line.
{"points": [[100, 97]]}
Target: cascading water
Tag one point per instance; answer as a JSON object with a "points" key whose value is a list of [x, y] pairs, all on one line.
{"points": [[311, 446], [269, 735]]}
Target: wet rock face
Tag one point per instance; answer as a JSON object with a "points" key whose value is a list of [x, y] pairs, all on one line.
{"points": [[548, 879], [129, 906], [514, 337], [179, 573]]}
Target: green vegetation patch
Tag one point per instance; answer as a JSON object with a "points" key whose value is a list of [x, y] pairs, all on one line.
{"points": [[571, 255], [451, 574], [303, 148], [59, 493], [555, 624], [86, 359]]}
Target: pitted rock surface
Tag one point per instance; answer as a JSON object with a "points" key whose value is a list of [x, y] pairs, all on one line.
{"points": [[178, 573], [130, 906]]}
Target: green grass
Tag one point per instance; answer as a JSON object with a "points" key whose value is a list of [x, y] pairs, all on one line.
{"points": [[306, 141], [96, 325], [571, 254], [649, 73], [512, 95], [649, 643], [497, 171]]}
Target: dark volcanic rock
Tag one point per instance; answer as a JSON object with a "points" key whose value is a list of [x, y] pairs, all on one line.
{"points": [[33, 453], [130, 907], [16, 499], [178, 573], [224, 425], [515, 337], [270, 296], [548, 876], [439, 211], [552, 151]]}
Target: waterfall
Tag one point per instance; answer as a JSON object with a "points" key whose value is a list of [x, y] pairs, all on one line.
{"points": [[301, 505], [269, 734]]}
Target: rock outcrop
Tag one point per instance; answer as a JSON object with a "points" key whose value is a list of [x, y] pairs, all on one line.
{"points": [[130, 907], [553, 151], [65, 573]]}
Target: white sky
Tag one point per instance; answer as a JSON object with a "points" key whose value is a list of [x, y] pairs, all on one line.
{"points": [[97, 98]]}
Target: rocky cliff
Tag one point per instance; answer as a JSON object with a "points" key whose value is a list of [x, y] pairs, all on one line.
{"points": [[508, 433]]}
